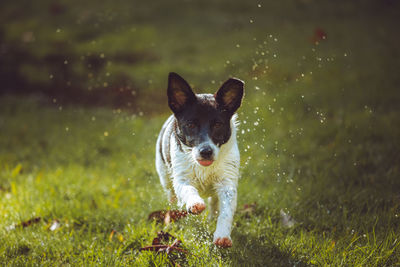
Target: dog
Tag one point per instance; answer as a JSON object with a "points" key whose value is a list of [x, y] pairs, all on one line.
{"points": [[197, 155]]}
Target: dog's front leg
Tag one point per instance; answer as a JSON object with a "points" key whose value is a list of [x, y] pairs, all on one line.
{"points": [[227, 195], [188, 195]]}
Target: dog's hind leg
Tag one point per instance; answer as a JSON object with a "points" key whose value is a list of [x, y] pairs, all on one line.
{"points": [[165, 180], [163, 171], [213, 204], [167, 185]]}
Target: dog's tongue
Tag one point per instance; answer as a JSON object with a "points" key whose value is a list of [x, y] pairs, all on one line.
{"points": [[205, 162]]}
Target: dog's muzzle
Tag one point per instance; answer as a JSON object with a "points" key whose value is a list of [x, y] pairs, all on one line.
{"points": [[206, 156]]}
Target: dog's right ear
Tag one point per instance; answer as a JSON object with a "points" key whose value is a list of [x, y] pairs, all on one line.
{"points": [[229, 96], [179, 93]]}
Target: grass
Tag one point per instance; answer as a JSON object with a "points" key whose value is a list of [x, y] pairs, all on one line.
{"points": [[318, 139], [92, 170]]}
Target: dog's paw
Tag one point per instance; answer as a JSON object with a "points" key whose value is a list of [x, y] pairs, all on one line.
{"points": [[197, 208], [223, 242]]}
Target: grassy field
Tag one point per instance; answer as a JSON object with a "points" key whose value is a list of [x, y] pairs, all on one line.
{"points": [[319, 140]]}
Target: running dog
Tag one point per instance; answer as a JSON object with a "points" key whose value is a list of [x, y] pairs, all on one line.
{"points": [[197, 155]]}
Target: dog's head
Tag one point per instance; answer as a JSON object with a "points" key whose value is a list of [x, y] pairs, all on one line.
{"points": [[204, 119]]}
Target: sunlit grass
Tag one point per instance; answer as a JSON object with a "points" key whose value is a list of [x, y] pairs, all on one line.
{"points": [[92, 170]]}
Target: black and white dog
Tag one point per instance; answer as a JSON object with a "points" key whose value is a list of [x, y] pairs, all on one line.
{"points": [[197, 153]]}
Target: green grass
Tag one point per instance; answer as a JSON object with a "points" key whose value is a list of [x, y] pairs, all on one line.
{"points": [[319, 140], [92, 170]]}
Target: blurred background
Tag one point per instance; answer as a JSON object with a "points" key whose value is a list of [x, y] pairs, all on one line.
{"points": [[83, 97], [118, 53]]}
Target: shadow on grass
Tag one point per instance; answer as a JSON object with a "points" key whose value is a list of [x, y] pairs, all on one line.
{"points": [[252, 250]]}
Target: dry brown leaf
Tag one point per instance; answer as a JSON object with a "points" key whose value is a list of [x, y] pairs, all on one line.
{"points": [[158, 246], [119, 236], [29, 222], [167, 216], [248, 209]]}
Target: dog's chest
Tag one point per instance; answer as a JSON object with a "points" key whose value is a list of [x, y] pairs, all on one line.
{"points": [[205, 179]]}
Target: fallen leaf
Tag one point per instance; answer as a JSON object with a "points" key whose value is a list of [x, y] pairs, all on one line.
{"points": [[161, 244], [29, 222], [24, 224], [166, 217], [162, 236], [158, 246], [119, 236], [248, 209]]}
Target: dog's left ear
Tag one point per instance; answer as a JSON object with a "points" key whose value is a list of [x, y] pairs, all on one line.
{"points": [[230, 95]]}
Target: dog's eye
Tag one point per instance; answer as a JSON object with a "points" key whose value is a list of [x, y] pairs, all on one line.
{"points": [[217, 125]]}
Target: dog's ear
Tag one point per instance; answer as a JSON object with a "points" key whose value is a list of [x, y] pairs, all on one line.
{"points": [[179, 93], [229, 96]]}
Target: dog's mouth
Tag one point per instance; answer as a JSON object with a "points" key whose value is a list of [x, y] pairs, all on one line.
{"points": [[205, 162]]}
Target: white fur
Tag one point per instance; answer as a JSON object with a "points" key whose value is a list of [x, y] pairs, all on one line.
{"points": [[190, 182]]}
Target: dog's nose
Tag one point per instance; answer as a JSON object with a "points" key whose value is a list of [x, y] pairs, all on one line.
{"points": [[206, 152]]}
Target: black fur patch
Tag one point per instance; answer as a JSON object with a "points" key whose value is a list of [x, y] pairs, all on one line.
{"points": [[199, 117], [201, 120]]}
